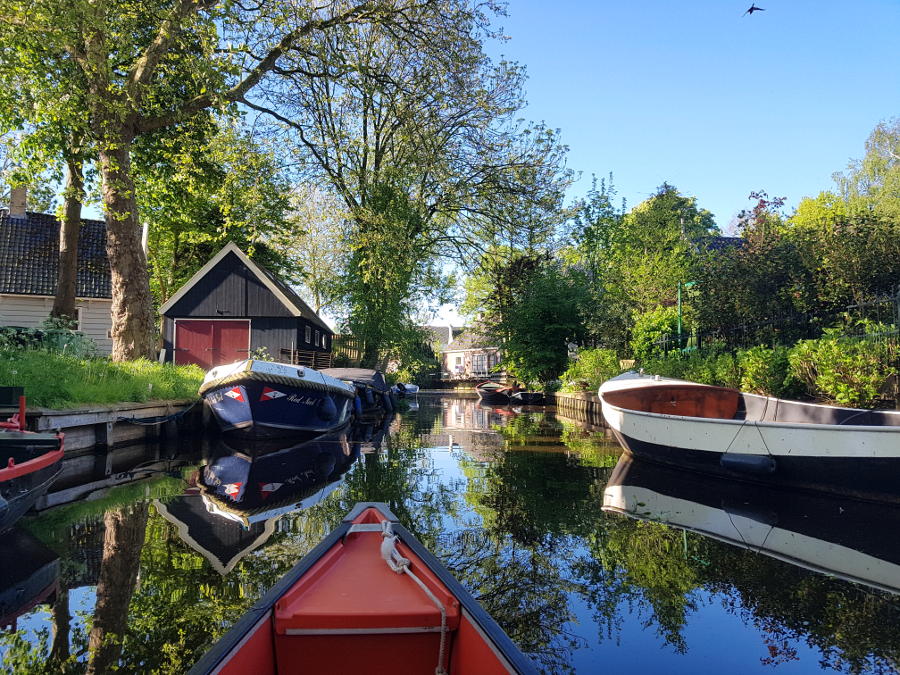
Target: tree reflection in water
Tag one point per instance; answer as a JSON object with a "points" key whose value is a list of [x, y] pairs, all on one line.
{"points": [[516, 518]]}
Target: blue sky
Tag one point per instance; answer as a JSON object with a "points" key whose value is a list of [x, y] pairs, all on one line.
{"points": [[716, 103]]}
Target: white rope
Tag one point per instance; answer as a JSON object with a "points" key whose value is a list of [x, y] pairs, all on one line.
{"points": [[400, 565]]}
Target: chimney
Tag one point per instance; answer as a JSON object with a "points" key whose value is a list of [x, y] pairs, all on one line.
{"points": [[18, 197]]}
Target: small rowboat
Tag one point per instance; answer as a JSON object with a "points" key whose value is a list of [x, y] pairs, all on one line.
{"points": [[373, 392], [493, 393], [772, 441], [368, 599], [30, 463], [527, 398]]}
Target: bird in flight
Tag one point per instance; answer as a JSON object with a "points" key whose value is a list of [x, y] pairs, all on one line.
{"points": [[753, 8]]}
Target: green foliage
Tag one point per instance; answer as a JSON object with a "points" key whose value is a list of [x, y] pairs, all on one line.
{"points": [[531, 305], [766, 371], [590, 369], [715, 366], [850, 371], [54, 335], [58, 380], [649, 330]]}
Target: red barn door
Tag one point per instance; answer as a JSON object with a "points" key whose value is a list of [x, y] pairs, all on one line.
{"points": [[210, 343]]}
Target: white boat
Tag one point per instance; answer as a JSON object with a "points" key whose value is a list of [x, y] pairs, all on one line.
{"points": [[845, 538], [778, 442]]}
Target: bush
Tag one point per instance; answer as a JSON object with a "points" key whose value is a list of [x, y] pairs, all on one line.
{"points": [[849, 371], [649, 329], [767, 371], [714, 367], [591, 369]]}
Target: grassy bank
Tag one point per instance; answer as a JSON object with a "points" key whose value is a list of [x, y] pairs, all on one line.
{"points": [[53, 380]]}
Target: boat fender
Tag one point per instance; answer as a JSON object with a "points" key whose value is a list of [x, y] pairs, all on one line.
{"points": [[327, 409], [357, 405], [756, 465], [370, 397], [388, 401]]}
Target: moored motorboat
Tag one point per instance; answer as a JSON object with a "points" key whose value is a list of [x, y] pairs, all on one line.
{"points": [[763, 439], [368, 599], [268, 398], [373, 391], [840, 537], [527, 398], [29, 463], [493, 393]]}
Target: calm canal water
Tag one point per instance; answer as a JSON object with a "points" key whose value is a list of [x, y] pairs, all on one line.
{"points": [[513, 504]]}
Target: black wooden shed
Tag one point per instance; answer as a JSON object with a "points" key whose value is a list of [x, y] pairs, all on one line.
{"points": [[233, 307]]}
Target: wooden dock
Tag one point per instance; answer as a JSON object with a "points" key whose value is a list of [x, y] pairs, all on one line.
{"points": [[581, 406], [110, 425]]}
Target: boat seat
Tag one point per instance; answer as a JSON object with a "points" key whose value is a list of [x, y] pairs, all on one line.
{"points": [[351, 613]]}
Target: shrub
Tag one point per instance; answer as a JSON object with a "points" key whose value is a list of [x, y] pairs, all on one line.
{"points": [[710, 367], [767, 371], [591, 369], [849, 371], [649, 329]]}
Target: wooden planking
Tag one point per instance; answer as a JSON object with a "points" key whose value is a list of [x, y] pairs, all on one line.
{"points": [[221, 293]]}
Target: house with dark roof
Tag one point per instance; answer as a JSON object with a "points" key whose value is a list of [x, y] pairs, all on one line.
{"points": [[440, 336], [470, 355], [233, 307], [29, 265]]}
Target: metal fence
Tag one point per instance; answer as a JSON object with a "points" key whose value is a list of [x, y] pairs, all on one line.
{"points": [[787, 329]]}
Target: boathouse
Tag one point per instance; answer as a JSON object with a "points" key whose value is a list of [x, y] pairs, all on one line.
{"points": [[233, 308]]}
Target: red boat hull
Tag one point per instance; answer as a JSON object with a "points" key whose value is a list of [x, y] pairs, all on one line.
{"points": [[342, 609]]}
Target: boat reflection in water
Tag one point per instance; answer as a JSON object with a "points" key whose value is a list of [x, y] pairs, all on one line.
{"points": [[30, 575], [845, 538], [241, 494], [259, 483]]}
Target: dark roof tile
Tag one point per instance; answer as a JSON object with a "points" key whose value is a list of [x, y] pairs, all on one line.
{"points": [[29, 256]]}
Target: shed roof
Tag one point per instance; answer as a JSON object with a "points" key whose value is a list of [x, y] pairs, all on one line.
{"points": [[29, 256], [285, 294], [469, 338]]}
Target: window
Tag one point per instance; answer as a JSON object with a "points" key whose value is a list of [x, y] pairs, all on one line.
{"points": [[308, 335], [318, 339], [79, 325]]}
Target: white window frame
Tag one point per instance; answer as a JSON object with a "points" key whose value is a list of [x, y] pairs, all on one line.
{"points": [[308, 335]]}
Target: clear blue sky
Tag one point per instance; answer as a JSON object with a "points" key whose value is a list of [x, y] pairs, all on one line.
{"points": [[716, 103]]}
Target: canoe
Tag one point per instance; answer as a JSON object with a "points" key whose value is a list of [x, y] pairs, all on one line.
{"points": [[493, 393], [829, 534], [725, 432], [372, 390], [368, 599], [30, 463], [275, 399]]}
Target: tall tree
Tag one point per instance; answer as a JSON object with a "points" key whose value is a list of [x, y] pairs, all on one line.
{"points": [[420, 141], [146, 66]]}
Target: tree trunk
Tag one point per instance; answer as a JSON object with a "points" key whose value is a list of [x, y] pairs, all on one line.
{"points": [[69, 228], [59, 651], [122, 544], [132, 306]]}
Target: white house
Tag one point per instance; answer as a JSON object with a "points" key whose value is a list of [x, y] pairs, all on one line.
{"points": [[29, 263]]}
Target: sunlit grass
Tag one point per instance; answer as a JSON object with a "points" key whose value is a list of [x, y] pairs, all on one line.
{"points": [[54, 380]]}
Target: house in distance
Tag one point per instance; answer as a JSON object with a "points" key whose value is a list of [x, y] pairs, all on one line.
{"points": [[232, 308]]}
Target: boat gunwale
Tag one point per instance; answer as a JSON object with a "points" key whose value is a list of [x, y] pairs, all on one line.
{"points": [[497, 639], [885, 428]]}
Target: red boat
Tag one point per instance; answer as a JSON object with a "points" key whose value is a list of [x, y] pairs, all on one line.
{"points": [[31, 462], [368, 599]]}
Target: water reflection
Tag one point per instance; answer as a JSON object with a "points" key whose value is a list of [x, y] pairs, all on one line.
{"points": [[152, 571], [836, 536]]}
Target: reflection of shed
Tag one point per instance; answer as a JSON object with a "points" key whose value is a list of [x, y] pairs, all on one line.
{"points": [[233, 306], [222, 542]]}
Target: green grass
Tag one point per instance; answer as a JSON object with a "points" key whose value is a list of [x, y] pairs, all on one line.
{"points": [[54, 380]]}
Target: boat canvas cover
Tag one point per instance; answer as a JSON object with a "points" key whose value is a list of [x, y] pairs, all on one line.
{"points": [[366, 376]]}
